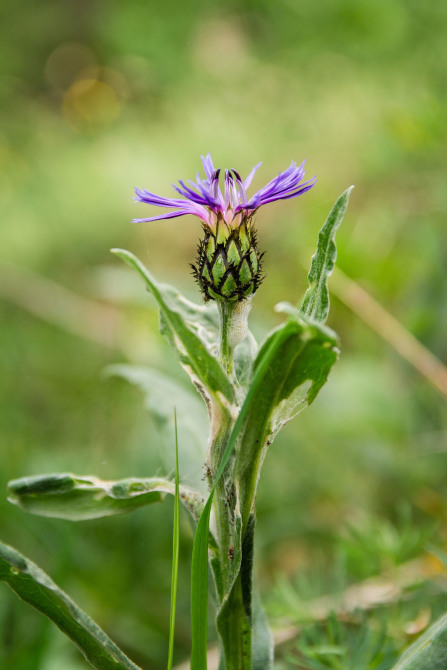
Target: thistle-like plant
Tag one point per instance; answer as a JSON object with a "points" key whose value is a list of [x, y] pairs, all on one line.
{"points": [[250, 395], [250, 392]]}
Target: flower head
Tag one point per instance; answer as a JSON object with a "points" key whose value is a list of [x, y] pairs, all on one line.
{"points": [[204, 197], [228, 261]]}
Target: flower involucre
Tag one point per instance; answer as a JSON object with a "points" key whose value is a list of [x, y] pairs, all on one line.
{"points": [[228, 262]]}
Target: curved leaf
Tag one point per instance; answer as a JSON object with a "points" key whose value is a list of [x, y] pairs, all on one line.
{"points": [[194, 355], [301, 355], [36, 588], [202, 319], [68, 496], [315, 304]]}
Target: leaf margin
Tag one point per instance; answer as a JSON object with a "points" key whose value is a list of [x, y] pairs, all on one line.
{"points": [[315, 303], [37, 589]]}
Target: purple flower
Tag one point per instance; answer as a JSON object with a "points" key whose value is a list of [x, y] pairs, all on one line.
{"points": [[205, 199]]}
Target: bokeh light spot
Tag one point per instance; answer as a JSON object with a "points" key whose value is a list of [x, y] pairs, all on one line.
{"points": [[65, 64], [90, 105]]}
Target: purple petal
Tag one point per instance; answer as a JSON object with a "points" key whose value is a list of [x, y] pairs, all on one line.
{"points": [[208, 165], [215, 190], [249, 179], [204, 196], [253, 203], [228, 181], [153, 199], [288, 194], [240, 189], [191, 195], [169, 215], [285, 182]]}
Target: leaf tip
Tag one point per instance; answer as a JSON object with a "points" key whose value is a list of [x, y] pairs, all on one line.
{"points": [[349, 190]]}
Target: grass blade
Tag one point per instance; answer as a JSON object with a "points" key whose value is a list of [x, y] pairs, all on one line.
{"points": [[175, 551]]}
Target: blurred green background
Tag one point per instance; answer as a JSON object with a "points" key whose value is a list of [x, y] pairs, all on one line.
{"points": [[100, 97]]}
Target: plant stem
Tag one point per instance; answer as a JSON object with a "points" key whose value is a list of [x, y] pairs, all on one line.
{"points": [[234, 620], [233, 328], [233, 572], [220, 507], [226, 311], [235, 631]]}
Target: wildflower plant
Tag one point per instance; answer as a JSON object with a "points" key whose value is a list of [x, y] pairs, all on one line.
{"points": [[250, 391]]}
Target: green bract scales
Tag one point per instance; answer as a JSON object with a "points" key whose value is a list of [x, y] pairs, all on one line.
{"points": [[229, 265]]}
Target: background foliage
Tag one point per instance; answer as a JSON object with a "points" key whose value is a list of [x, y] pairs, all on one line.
{"points": [[100, 97]]}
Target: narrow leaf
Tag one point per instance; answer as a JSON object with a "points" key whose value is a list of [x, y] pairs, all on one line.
{"points": [[203, 320], [315, 304], [192, 350], [429, 652], [199, 590], [36, 588], [300, 355], [68, 496], [199, 571], [175, 551]]}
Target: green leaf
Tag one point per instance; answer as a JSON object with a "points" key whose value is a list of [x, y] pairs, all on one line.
{"points": [[175, 552], [186, 339], [202, 319], [294, 353], [68, 496], [199, 590], [429, 652], [199, 569], [37, 589], [315, 304], [300, 355], [292, 366]]}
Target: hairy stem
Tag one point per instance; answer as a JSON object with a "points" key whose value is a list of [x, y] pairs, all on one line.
{"points": [[226, 347], [233, 328], [221, 508], [233, 569], [235, 631]]}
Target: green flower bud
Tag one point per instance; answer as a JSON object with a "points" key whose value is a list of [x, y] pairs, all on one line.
{"points": [[228, 261]]}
